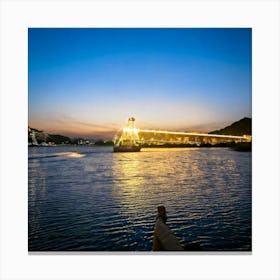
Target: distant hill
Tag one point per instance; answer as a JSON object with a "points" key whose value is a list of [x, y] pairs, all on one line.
{"points": [[58, 139], [42, 136], [241, 127]]}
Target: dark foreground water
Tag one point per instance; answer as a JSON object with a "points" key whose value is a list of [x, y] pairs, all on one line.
{"points": [[106, 201]]}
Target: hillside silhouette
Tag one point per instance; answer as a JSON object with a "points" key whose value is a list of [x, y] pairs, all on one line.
{"points": [[239, 128]]}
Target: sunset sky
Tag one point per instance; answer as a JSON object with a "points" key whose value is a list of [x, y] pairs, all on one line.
{"points": [[87, 82]]}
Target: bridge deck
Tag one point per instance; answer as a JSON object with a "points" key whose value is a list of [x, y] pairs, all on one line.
{"points": [[192, 134]]}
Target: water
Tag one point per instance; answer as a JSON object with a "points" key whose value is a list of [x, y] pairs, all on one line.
{"points": [[90, 199]]}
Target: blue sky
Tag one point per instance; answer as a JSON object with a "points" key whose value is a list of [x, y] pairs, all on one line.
{"points": [[87, 82]]}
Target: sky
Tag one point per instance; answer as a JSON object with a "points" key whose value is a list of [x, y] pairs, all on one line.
{"points": [[89, 81]]}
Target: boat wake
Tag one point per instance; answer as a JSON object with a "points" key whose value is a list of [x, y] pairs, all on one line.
{"points": [[70, 154], [62, 154]]}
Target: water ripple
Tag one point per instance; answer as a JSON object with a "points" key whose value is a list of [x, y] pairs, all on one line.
{"points": [[88, 198]]}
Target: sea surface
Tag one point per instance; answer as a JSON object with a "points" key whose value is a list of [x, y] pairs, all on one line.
{"points": [[83, 198]]}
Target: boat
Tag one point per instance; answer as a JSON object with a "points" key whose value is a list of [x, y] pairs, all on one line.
{"points": [[127, 148]]}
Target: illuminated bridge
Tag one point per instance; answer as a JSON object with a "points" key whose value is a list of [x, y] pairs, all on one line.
{"points": [[130, 135]]}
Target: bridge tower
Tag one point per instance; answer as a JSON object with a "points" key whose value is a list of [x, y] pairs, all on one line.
{"points": [[129, 135]]}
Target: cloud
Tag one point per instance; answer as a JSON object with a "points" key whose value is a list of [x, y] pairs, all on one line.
{"points": [[72, 127]]}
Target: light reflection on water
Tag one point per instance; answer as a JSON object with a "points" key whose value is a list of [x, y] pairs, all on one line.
{"points": [[107, 201]]}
